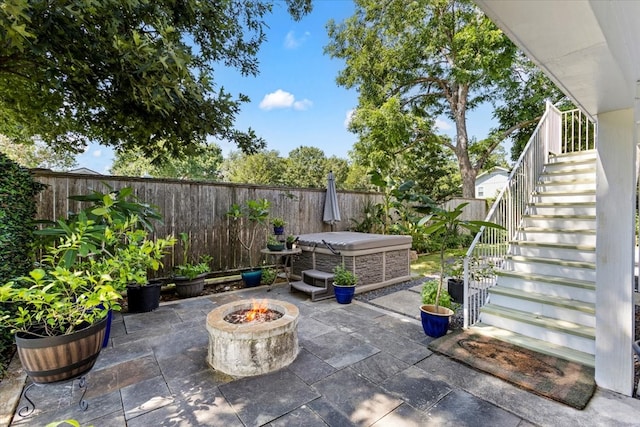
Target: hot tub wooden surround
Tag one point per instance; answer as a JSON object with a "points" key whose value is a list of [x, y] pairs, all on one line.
{"points": [[378, 260]]}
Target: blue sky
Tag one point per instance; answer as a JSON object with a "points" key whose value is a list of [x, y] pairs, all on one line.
{"points": [[294, 100]]}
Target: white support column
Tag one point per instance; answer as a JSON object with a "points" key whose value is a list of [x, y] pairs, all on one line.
{"points": [[615, 225]]}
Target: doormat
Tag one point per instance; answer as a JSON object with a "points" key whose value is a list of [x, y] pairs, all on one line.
{"points": [[567, 382]]}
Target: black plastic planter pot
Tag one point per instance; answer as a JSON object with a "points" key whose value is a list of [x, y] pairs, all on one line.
{"points": [[63, 357], [142, 299], [455, 288]]}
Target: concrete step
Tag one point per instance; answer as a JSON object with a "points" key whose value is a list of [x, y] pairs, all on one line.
{"points": [[580, 312], [585, 208], [574, 156], [562, 287], [553, 250], [555, 235], [316, 292], [564, 222], [556, 331], [570, 166], [565, 185], [551, 267], [568, 197], [535, 344]]}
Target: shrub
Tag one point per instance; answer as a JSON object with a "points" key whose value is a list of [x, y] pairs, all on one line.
{"points": [[17, 213]]}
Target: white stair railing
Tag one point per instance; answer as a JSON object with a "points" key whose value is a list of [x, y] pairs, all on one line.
{"points": [[556, 133]]}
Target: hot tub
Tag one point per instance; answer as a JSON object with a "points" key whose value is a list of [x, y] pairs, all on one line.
{"points": [[379, 259]]}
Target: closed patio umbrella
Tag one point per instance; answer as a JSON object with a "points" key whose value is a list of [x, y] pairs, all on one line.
{"points": [[331, 211]]}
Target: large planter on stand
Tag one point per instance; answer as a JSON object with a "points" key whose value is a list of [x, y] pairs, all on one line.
{"points": [[63, 357], [142, 299], [435, 323], [344, 294], [187, 288], [251, 278]]}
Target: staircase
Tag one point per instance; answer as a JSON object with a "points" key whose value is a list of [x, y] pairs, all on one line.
{"points": [[544, 297]]}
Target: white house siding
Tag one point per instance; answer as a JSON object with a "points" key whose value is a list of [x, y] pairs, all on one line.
{"points": [[489, 184]]}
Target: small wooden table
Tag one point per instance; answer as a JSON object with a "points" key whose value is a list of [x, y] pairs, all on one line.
{"points": [[281, 259]]}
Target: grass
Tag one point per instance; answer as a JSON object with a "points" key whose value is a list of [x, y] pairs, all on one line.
{"points": [[429, 264]]}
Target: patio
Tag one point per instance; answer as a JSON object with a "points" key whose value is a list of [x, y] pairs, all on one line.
{"points": [[359, 364]]}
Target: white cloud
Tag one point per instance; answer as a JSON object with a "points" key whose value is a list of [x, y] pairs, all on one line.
{"points": [[443, 125], [283, 99], [348, 117], [277, 99], [305, 104], [97, 153], [293, 42]]}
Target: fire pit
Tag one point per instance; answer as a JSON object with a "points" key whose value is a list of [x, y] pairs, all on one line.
{"points": [[240, 345]]}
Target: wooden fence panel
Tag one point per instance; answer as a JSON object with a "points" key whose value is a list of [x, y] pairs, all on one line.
{"points": [[199, 209]]}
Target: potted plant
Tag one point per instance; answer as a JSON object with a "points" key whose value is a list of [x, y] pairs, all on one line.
{"points": [[446, 224], [278, 225], [344, 284], [269, 275], [253, 215], [454, 271], [274, 245], [62, 305], [289, 242], [189, 277], [435, 325]]}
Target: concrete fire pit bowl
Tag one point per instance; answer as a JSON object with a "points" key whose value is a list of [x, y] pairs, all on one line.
{"points": [[252, 348]]}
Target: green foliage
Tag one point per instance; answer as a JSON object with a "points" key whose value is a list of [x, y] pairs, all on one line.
{"points": [[190, 269], [429, 294], [344, 277], [253, 215], [264, 167], [278, 222], [202, 165], [128, 73], [17, 212], [269, 276], [34, 153], [447, 223], [412, 62], [77, 282]]}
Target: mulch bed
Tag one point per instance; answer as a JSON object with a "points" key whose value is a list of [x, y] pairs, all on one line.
{"points": [[567, 382]]}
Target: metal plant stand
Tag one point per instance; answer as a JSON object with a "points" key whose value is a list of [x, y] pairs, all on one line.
{"points": [[30, 406]]}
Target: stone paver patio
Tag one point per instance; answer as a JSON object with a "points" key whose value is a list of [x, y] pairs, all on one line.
{"points": [[358, 365]]}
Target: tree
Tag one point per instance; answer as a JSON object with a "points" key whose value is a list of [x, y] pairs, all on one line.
{"points": [[129, 74], [400, 144], [265, 167], [436, 57], [36, 154], [306, 167], [204, 166]]}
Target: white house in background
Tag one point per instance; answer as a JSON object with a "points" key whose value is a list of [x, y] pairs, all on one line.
{"points": [[84, 171], [491, 182], [591, 50]]}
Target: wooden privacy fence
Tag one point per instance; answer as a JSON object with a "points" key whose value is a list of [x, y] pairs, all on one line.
{"points": [[199, 209]]}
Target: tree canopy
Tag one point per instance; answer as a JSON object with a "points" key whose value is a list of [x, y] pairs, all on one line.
{"points": [[128, 73], [436, 57], [204, 166]]}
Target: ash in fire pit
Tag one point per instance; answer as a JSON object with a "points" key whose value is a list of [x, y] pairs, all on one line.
{"points": [[259, 312], [243, 348]]}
